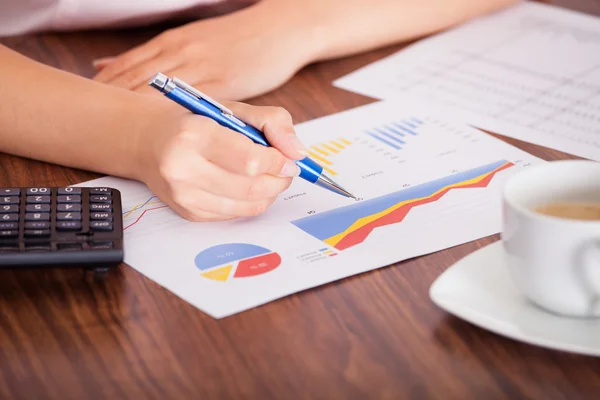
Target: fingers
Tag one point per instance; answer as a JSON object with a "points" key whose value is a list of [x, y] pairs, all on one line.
{"points": [[198, 173], [100, 63], [277, 125], [140, 74], [199, 204], [127, 61], [226, 184], [236, 153]]}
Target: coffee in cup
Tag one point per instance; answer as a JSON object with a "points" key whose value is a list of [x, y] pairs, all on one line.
{"points": [[551, 235]]}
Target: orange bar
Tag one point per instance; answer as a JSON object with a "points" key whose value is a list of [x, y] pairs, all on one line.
{"points": [[319, 158], [336, 144], [328, 147], [320, 151]]}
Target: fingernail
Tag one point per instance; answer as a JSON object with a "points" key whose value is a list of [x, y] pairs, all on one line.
{"points": [[290, 169], [100, 61], [300, 148]]}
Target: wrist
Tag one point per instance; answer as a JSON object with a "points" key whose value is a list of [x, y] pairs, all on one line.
{"points": [[295, 25], [155, 118]]}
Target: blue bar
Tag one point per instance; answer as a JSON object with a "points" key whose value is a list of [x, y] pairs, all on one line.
{"points": [[397, 132], [410, 124], [383, 140], [325, 249], [405, 129], [417, 120], [394, 138]]}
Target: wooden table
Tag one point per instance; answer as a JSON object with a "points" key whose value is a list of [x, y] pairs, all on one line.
{"points": [[65, 335]]}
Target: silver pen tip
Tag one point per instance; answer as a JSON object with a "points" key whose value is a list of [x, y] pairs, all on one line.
{"points": [[326, 182]]}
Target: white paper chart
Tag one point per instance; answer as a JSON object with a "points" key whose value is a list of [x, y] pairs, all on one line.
{"points": [[531, 72], [424, 184]]}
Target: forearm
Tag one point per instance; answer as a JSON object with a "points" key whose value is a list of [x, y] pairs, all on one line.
{"points": [[335, 28], [58, 117]]}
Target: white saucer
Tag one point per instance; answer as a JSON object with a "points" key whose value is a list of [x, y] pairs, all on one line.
{"points": [[479, 289]]}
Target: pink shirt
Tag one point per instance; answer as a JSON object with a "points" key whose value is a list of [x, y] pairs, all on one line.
{"points": [[28, 16]]}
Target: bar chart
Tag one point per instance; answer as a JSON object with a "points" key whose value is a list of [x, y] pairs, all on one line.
{"points": [[396, 134]]}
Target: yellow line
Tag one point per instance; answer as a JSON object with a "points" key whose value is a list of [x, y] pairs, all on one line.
{"points": [[336, 144], [359, 223], [320, 151], [331, 172], [331, 149], [345, 141], [138, 206], [319, 158]]}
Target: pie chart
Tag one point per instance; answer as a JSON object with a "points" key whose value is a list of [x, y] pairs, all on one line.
{"points": [[236, 260]]}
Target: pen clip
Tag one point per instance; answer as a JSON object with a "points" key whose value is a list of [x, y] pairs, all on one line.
{"points": [[195, 92]]}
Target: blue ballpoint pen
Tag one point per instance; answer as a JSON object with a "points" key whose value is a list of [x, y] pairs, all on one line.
{"points": [[199, 103]]}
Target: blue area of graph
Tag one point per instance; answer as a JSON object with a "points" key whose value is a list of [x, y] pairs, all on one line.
{"points": [[394, 134], [226, 253], [330, 223]]}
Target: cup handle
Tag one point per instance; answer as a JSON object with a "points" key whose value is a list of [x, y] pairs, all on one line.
{"points": [[588, 267]]}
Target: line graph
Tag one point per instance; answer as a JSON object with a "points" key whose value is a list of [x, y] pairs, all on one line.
{"points": [[349, 226], [152, 201]]}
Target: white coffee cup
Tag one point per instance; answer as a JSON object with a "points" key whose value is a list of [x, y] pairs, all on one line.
{"points": [[554, 261]]}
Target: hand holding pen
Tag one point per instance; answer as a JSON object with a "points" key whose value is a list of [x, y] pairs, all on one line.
{"points": [[199, 103], [207, 172]]}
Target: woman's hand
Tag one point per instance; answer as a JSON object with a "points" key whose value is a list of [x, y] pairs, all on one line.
{"points": [[233, 57], [206, 172]]}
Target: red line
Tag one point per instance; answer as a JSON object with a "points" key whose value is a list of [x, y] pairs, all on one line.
{"points": [[358, 236], [141, 215]]}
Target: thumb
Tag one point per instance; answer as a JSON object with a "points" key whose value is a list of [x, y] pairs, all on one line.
{"points": [[277, 125]]}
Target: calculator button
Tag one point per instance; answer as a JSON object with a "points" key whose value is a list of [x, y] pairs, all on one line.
{"points": [[37, 208], [9, 246], [100, 199], [37, 217], [69, 246], [69, 190], [37, 232], [101, 190], [9, 234], [37, 225], [104, 216], [6, 226], [68, 216], [9, 200], [69, 199], [36, 191], [69, 207], [10, 192], [101, 226], [9, 217], [101, 245], [9, 209], [68, 225], [38, 199], [100, 207], [37, 247]]}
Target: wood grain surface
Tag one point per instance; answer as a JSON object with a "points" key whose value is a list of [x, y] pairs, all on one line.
{"points": [[65, 334]]}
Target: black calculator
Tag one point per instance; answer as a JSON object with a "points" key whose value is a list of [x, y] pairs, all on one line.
{"points": [[60, 226]]}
